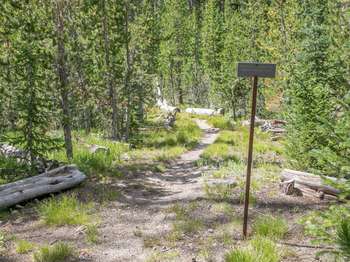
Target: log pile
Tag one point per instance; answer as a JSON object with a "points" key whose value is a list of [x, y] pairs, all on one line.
{"points": [[298, 183], [49, 182], [41, 164]]}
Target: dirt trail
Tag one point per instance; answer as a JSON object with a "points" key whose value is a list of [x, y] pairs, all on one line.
{"points": [[146, 197]]}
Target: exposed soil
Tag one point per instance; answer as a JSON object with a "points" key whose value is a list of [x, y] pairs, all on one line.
{"points": [[141, 214]]}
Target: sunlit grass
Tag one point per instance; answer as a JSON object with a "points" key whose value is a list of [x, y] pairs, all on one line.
{"points": [[259, 249], [269, 226], [59, 252], [65, 211], [24, 246]]}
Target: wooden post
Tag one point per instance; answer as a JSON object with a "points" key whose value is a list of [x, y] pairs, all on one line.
{"points": [[250, 155], [254, 70]]}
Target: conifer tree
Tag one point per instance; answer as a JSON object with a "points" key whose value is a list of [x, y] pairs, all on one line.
{"points": [[314, 81], [30, 69]]}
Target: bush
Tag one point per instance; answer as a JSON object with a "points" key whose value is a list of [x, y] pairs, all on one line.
{"points": [[59, 252], [64, 211], [221, 122], [343, 238], [269, 226]]}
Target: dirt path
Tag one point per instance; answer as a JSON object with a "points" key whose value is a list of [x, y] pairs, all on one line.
{"points": [[146, 197]]}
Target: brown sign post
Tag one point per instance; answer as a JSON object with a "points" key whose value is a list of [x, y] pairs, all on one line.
{"points": [[253, 70]]}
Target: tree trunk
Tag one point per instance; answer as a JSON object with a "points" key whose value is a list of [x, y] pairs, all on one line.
{"points": [[63, 78], [110, 82], [128, 71]]}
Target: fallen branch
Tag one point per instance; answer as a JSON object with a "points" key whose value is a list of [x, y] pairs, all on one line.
{"points": [[49, 182], [306, 246]]}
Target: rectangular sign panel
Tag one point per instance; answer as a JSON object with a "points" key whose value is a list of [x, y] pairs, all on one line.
{"points": [[247, 69]]}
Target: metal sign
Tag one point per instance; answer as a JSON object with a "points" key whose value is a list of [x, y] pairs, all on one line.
{"points": [[256, 69], [253, 70]]}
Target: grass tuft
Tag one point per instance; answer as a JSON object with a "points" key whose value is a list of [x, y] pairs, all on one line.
{"points": [[269, 226], [57, 253], [64, 211], [259, 249], [92, 234], [24, 246]]}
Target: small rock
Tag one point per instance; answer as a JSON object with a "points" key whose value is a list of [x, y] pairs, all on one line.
{"points": [[210, 230]]}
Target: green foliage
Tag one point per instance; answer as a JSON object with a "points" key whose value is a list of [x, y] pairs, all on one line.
{"points": [[59, 252], [24, 246], [259, 249], [318, 79], [271, 227], [343, 237], [65, 211], [323, 224], [12, 170], [92, 234]]}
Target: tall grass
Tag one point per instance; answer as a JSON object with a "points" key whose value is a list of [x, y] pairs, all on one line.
{"points": [[259, 249], [269, 226], [57, 253], [65, 211]]}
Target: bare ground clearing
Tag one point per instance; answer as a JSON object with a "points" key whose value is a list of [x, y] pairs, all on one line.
{"points": [[142, 224]]}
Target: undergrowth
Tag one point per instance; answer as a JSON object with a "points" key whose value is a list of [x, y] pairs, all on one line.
{"points": [[65, 211], [258, 249], [59, 252]]}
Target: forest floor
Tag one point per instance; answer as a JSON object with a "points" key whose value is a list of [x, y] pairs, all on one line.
{"points": [[168, 215]]}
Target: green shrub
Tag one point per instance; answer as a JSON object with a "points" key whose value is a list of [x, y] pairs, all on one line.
{"points": [[24, 246], [221, 122], [269, 226], [59, 252], [64, 211], [343, 238]]}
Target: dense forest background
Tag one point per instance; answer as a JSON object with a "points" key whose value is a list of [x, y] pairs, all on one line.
{"points": [[96, 65]]}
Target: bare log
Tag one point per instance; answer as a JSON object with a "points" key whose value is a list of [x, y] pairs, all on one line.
{"points": [[308, 184], [162, 103], [53, 181], [204, 111]]}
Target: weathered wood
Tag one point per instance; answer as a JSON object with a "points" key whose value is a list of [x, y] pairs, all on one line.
{"points": [[54, 181], [308, 184], [204, 111]]}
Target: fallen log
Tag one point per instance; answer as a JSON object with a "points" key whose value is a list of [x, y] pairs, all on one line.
{"points": [[204, 111], [302, 183], [53, 181]]}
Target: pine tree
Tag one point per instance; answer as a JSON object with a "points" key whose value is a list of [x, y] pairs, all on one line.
{"points": [[314, 81], [30, 39]]}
